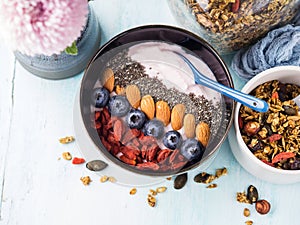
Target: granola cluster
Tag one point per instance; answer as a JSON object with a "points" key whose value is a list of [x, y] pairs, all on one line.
{"points": [[233, 24], [274, 136]]}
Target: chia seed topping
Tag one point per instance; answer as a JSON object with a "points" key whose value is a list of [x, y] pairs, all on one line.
{"points": [[128, 71]]}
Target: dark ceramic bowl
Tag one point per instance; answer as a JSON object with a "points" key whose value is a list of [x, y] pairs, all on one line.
{"points": [[148, 45]]}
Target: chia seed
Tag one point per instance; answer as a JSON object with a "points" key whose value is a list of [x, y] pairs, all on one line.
{"points": [[125, 69]]}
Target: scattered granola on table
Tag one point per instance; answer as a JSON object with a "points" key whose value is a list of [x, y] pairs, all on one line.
{"points": [[207, 178], [86, 180], [262, 206], [151, 198], [66, 140], [273, 137], [67, 155]]}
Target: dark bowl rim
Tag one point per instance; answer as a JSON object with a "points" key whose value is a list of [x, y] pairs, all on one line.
{"points": [[208, 47]]}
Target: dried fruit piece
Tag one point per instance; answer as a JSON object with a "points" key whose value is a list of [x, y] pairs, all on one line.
{"points": [[133, 95], [147, 106], [251, 128], [108, 79], [275, 137], [262, 206], [127, 160], [177, 115], [282, 156], [86, 180], [252, 194], [78, 160], [96, 165], [203, 133], [103, 179], [66, 140], [246, 212], [163, 112], [235, 6], [180, 181], [67, 155], [189, 123], [133, 191]]}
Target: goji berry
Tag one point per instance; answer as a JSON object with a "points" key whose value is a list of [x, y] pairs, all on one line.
{"points": [[240, 121], [275, 95], [283, 156], [127, 160], [268, 163], [78, 160], [235, 6], [274, 137]]}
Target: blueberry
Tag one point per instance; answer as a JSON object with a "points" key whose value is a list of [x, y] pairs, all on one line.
{"points": [[192, 149], [100, 97], [135, 119], [172, 139], [154, 128], [118, 106]]}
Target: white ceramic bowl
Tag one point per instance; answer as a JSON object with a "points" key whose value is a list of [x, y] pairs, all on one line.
{"points": [[285, 74]]}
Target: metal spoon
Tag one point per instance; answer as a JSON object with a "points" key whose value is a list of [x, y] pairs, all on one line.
{"points": [[245, 99], [297, 100]]}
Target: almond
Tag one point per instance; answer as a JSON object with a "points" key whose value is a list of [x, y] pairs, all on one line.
{"points": [[133, 95], [108, 79], [203, 133], [147, 106], [163, 112], [177, 115], [189, 125]]}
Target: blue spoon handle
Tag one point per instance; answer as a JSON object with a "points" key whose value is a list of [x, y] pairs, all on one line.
{"points": [[245, 99]]}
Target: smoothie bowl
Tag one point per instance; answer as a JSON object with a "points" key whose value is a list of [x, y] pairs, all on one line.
{"points": [[142, 109]]}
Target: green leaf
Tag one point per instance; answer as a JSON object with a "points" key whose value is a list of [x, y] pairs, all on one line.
{"points": [[72, 50]]}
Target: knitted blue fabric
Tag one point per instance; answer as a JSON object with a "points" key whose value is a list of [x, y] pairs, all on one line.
{"points": [[280, 47]]}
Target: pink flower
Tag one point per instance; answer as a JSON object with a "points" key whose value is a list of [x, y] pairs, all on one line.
{"points": [[42, 26]]}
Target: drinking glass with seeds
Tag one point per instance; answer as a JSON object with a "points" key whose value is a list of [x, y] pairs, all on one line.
{"points": [[230, 25]]}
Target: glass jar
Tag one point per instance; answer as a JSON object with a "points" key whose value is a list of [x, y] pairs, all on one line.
{"points": [[229, 25]]}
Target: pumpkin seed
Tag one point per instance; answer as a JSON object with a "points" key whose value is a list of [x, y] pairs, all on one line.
{"points": [[180, 181], [289, 110], [204, 178], [96, 165], [252, 194]]}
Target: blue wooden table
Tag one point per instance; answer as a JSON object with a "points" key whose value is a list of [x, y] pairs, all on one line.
{"points": [[38, 189]]}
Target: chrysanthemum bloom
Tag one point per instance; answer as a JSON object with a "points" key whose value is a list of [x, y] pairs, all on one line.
{"points": [[42, 26]]}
